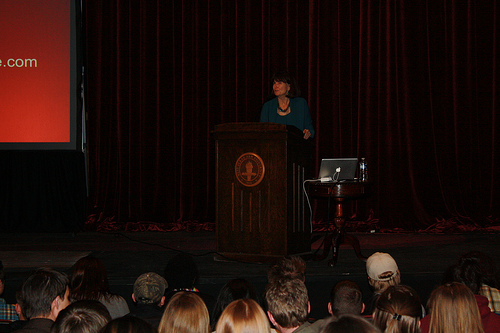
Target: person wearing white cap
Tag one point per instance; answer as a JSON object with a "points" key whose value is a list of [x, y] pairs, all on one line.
{"points": [[383, 272]]}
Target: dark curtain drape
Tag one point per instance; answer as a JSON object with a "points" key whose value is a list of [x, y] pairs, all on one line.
{"points": [[42, 191], [410, 85]]}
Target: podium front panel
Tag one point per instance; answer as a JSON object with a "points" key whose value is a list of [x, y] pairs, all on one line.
{"points": [[261, 207]]}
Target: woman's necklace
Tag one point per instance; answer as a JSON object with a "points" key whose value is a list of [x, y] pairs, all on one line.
{"points": [[286, 110]]}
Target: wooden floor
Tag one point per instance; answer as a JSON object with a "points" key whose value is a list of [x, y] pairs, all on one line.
{"points": [[421, 258]]}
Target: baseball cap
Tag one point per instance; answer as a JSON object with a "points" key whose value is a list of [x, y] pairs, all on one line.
{"points": [[149, 288], [381, 266]]}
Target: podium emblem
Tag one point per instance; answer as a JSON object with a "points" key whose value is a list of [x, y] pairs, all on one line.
{"points": [[249, 169]]}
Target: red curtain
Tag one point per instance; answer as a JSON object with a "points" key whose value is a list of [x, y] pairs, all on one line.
{"points": [[410, 85]]}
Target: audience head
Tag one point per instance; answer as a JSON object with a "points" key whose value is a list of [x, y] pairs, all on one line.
{"points": [[241, 316], [181, 272], [453, 308], [19, 304], [128, 324], [44, 294], [346, 298], [185, 313], [233, 290], [382, 271], [288, 267], [349, 323], [468, 272], [88, 279], [287, 303], [398, 309], [487, 266], [149, 288], [82, 317]]}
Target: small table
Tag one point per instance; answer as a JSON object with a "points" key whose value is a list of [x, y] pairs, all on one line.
{"points": [[340, 192]]}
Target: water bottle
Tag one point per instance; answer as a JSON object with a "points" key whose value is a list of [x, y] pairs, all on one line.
{"points": [[363, 170]]}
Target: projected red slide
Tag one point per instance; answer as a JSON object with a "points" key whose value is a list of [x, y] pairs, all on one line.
{"points": [[35, 71]]}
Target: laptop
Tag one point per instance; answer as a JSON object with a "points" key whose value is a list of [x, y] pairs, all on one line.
{"points": [[338, 168]]}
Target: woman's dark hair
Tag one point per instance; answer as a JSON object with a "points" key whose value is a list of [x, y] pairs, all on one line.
{"points": [[231, 291], [466, 271], [487, 267], [284, 76], [89, 280]]}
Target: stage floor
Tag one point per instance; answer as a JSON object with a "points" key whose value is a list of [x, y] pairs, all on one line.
{"points": [[422, 258]]}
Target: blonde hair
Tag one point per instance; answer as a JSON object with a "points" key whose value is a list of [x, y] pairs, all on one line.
{"points": [[398, 309], [453, 308], [185, 313], [243, 316], [381, 286]]}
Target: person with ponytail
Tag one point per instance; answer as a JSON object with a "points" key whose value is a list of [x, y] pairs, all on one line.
{"points": [[398, 310]]}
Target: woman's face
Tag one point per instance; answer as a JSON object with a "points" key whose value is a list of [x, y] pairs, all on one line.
{"points": [[280, 88]]}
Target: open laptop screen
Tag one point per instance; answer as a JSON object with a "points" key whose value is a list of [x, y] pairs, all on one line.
{"points": [[348, 167]]}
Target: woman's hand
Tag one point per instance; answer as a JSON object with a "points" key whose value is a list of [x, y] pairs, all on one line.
{"points": [[307, 134]]}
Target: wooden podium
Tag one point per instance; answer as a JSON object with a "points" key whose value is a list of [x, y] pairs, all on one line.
{"points": [[262, 212]]}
